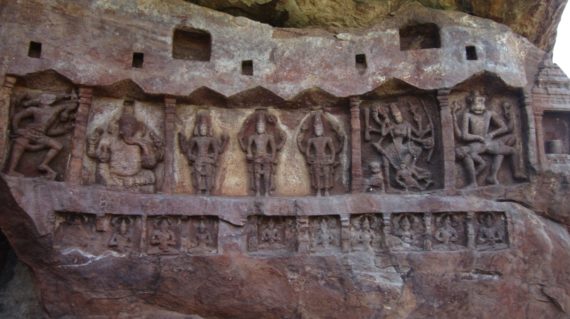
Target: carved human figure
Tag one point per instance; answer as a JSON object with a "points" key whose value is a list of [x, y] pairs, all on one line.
{"points": [[376, 180], [127, 151], [485, 132], [320, 145], [270, 233], [408, 228], [446, 233], [401, 143], [48, 117], [162, 236], [203, 150], [261, 146], [324, 236], [203, 238], [491, 230], [363, 236], [121, 238]]}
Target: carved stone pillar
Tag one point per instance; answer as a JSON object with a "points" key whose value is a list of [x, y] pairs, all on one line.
{"points": [[448, 140], [356, 144], [387, 222], [428, 222], [303, 234], [540, 139], [73, 175], [5, 96], [470, 230], [345, 233], [535, 148], [169, 127]]}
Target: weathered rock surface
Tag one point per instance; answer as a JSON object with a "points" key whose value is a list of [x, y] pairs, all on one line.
{"points": [[210, 166], [536, 20]]}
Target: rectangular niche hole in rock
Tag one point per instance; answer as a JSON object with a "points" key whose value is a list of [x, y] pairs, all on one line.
{"points": [[191, 44], [247, 67], [360, 60], [138, 60], [471, 52], [35, 50], [420, 36], [556, 127]]}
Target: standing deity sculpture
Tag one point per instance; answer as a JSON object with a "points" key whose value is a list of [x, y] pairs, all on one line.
{"points": [[127, 151], [203, 151], [36, 125], [484, 132], [320, 146], [401, 144], [261, 139]]}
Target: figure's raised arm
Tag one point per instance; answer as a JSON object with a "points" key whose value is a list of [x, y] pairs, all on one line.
{"points": [[501, 126], [19, 116]]}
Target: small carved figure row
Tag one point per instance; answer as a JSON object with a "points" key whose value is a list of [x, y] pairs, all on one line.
{"points": [[127, 233], [379, 232]]}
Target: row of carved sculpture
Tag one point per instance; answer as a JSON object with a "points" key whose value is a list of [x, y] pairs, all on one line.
{"points": [[285, 234], [127, 150]]}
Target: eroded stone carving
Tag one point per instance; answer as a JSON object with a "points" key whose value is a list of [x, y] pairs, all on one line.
{"points": [[375, 183], [76, 230], [35, 126], [261, 139], [401, 144], [320, 141], [483, 131], [126, 151], [203, 150], [163, 235], [125, 233], [449, 231], [272, 233], [366, 233], [202, 236], [491, 229], [325, 233], [409, 228]]}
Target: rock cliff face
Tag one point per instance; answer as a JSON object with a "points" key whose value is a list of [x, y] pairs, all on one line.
{"points": [[535, 20], [164, 160]]}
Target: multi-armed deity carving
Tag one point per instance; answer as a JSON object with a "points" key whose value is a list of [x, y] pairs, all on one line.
{"points": [[162, 235], [320, 141], [203, 150], [366, 233], [325, 233], [36, 124], [126, 151], [409, 229], [261, 139], [401, 143], [484, 132], [491, 231]]}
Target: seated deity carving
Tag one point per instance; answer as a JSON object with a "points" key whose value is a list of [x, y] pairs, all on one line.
{"points": [[409, 229], [162, 236], [261, 139], [491, 231], [203, 238], [401, 143], [483, 131], [362, 234], [122, 236], [126, 151], [203, 151], [446, 232], [321, 146], [35, 126]]}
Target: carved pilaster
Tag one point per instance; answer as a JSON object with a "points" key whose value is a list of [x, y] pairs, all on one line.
{"points": [[470, 230], [428, 223], [448, 139], [356, 144], [169, 127], [79, 136], [387, 223], [345, 233], [538, 114], [303, 234], [5, 96], [533, 146]]}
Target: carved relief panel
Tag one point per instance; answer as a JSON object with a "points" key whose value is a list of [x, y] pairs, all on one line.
{"points": [[408, 231], [491, 231], [125, 145], [367, 232], [200, 234], [401, 149], [77, 231], [125, 233], [321, 140], [449, 231], [43, 111], [163, 235], [488, 134], [325, 233], [272, 234]]}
